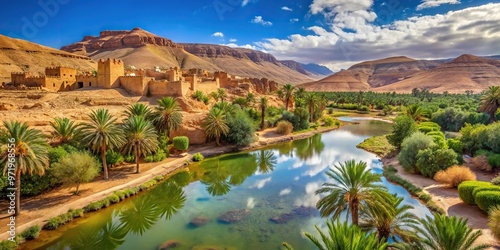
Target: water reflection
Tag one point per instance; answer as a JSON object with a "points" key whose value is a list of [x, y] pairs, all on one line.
{"points": [[266, 160]]}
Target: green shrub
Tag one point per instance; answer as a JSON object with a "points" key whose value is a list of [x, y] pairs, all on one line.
{"points": [[328, 121], [496, 181], [105, 202], [403, 127], [149, 158], [363, 108], [7, 245], [76, 213], [426, 130], [147, 185], [113, 198], [121, 194], [31, 233], [494, 221], [488, 188], [284, 127], [411, 147], [466, 188], [94, 206], [129, 158], [241, 129], [494, 160], [431, 160], [181, 143], [65, 218], [57, 153], [113, 158], [37, 184], [52, 224], [486, 200], [198, 157], [160, 155]]}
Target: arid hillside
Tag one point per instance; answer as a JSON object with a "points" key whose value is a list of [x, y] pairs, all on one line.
{"points": [[18, 55], [143, 49], [402, 74]]}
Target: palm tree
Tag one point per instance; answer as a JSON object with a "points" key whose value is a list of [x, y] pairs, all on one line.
{"points": [[140, 137], [312, 104], [27, 149], [263, 106], [266, 160], [250, 99], [300, 93], [390, 224], [139, 109], [168, 117], [345, 237], [490, 101], [222, 94], [355, 187], [416, 113], [360, 97], [288, 94], [215, 124], [65, 130], [445, 233], [102, 133]]}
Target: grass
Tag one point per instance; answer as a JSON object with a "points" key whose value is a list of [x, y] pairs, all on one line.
{"points": [[378, 145], [390, 173]]}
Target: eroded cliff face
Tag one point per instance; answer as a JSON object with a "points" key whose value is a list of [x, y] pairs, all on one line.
{"points": [[111, 39], [218, 51]]}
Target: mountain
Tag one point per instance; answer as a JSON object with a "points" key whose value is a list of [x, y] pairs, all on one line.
{"points": [[19, 55], [143, 49], [466, 72], [317, 69], [372, 74]]}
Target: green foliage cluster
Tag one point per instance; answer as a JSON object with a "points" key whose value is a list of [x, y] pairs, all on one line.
{"points": [[158, 156], [198, 157], [479, 136], [31, 232], [486, 200], [434, 159], [181, 143], [466, 190], [114, 158], [200, 96], [129, 158], [299, 119], [410, 149], [452, 119], [241, 128], [62, 219], [403, 127]]}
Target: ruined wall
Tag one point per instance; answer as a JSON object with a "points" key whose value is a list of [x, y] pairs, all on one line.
{"points": [[108, 73], [166, 88], [83, 81], [208, 86], [136, 85], [18, 78]]}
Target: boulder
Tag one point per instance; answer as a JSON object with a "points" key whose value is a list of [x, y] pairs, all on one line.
{"points": [[233, 216], [297, 212], [199, 221], [170, 244]]}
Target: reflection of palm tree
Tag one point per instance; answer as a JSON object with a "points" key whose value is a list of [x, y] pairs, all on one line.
{"points": [[141, 215], [308, 147], [101, 236], [266, 160], [169, 198]]}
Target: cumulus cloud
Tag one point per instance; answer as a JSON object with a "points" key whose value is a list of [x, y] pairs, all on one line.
{"points": [[285, 191], [260, 183], [245, 46], [435, 3], [232, 40], [218, 34], [286, 8], [251, 203], [260, 20], [351, 35], [294, 20], [245, 2]]}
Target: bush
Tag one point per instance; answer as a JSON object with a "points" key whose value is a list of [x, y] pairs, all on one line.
{"points": [[76, 168], [121, 194], [494, 221], [52, 224], [181, 143], [494, 160], [149, 158], [129, 158], [113, 198], [431, 160], [403, 127], [284, 127], [113, 158], [198, 157], [147, 185], [455, 175], [241, 129], [487, 188], [486, 200], [496, 181], [160, 155], [363, 108], [57, 153], [410, 148], [328, 121], [36, 184], [8, 245], [76, 213], [466, 188], [31, 233], [94, 206]]}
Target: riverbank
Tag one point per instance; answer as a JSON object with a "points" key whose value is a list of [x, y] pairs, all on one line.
{"points": [[37, 210]]}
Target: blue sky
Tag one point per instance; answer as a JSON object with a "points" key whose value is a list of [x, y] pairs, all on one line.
{"points": [[335, 33]]}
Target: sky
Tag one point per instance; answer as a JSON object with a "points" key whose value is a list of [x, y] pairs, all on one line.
{"points": [[334, 33]]}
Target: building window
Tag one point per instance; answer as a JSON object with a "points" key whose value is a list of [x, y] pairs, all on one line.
{"points": [[53, 84], [90, 84], [70, 75], [64, 75]]}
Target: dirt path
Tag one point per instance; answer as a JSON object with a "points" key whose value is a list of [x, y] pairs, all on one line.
{"points": [[447, 198], [37, 210]]}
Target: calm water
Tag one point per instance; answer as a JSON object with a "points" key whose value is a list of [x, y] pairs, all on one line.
{"points": [[256, 185]]}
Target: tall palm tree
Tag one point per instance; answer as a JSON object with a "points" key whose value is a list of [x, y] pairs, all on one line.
{"points": [[65, 130], [354, 187], [140, 136], [444, 233], [312, 104], [288, 94], [390, 224], [168, 115], [342, 236], [215, 124], [416, 113], [139, 109], [102, 133], [360, 97], [222, 94], [280, 94], [24, 150], [266, 160], [490, 101], [299, 93], [263, 106]]}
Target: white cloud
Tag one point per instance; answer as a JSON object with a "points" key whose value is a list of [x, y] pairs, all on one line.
{"points": [[259, 20], [232, 40], [260, 183], [245, 2], [434, 36], [251, 203], [285, 191], [310, 199], [294, 20], [286, 8], [435, 3], [246, 46], [218, 34]]}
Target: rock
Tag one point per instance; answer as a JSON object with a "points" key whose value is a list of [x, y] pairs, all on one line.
{"points": [[282, 218], [170, 244], [199, 221], [298, 212], [191, 127], [233, 216], [304, 211], [7, 106]]}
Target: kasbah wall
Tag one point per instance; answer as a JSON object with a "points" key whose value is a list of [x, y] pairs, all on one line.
{"points": [[111, 74]]}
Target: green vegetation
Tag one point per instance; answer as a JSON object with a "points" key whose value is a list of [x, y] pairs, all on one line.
{"points": [[200, 96], [76, 168], [403, 127], [378, 145], [284, 127], [486, 200], [455, 175], [140, 138], [64, 130], [215, 124], [466, 189], [494, 221], [198, 157], [167, 116], [410, 149], [31, 233], [181, 143]]}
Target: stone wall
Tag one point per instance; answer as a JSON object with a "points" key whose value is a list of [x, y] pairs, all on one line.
{"points": [[166, 88], [207, 86], [108, 73], [136, 85], [86, 81]]}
